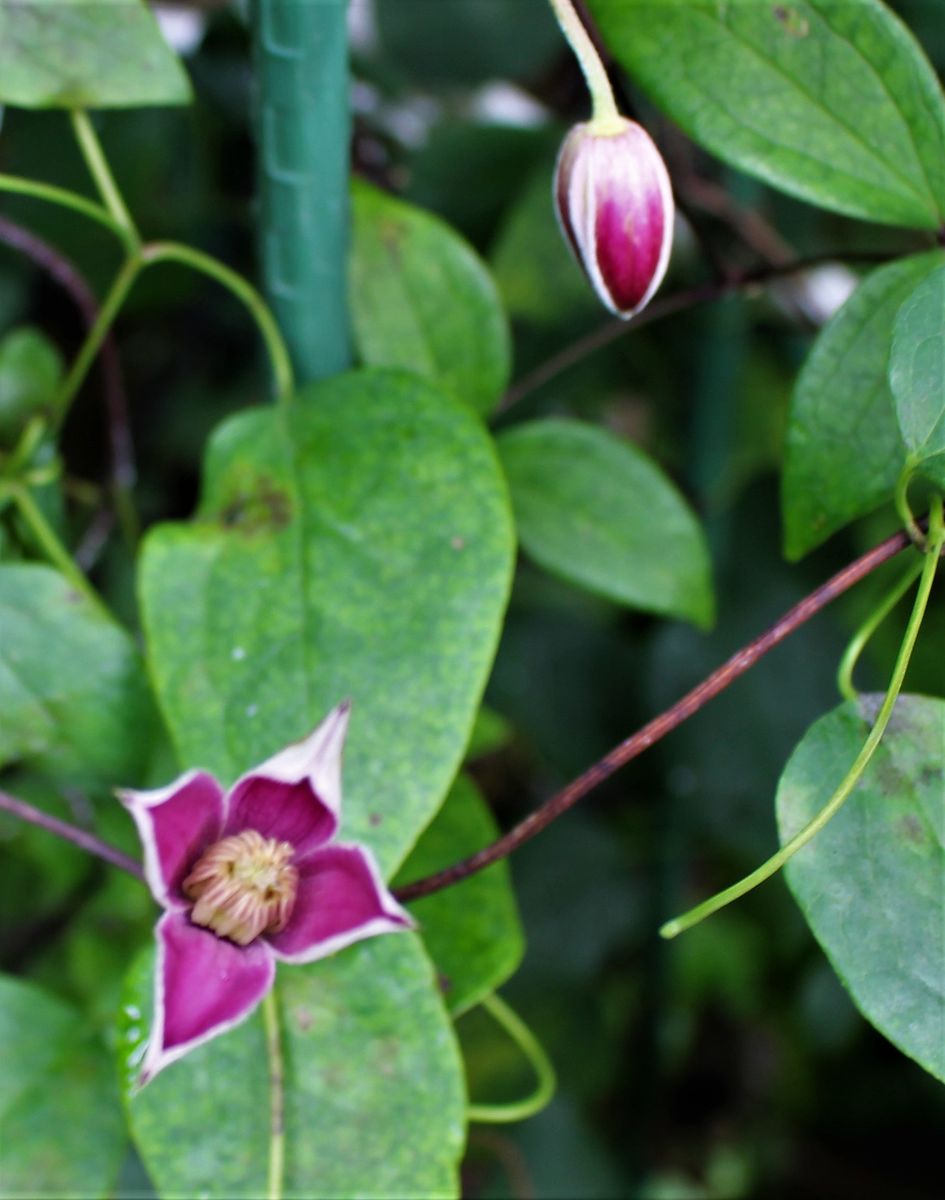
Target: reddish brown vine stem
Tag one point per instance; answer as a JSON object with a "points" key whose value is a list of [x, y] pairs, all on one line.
{"points": [[559, 804], [70, 833], [660, 726], [666, 306], [59, 268]]}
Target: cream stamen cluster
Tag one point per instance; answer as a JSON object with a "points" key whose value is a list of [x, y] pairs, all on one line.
{"points": [[243, 886]]}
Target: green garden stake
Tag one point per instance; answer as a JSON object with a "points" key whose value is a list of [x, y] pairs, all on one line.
{"points": [[303, 129]]}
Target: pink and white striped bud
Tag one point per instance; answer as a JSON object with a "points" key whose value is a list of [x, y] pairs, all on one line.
{"points": [[615, 207]]}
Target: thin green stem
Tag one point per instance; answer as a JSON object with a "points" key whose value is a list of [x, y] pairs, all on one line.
{"points": [[117, 294], [523, 1037], [124, 280], [276, 1173], [851, 655], [66, 199], [816, 824], [101, 173], [17, 462], [906, 515], [606, 117], [275, 345], [50, 544]]}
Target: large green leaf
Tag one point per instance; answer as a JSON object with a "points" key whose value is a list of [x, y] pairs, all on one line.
{"points": [[844, 451], [472, 931], [374, 1091], [73, 693], [422, 299], [917, 374], [359, 545], [86, 54], [595, 510], [830, 100], [59, 1108], [871, 883]]}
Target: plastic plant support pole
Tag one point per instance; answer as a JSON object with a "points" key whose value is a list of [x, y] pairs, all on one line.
{"points": [[303, 133]]}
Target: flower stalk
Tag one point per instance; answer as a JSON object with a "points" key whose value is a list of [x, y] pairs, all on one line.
{"points": [[273, 1030], [605, 117]]}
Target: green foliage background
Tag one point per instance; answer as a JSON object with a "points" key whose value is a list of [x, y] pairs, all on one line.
{"points": [[731, 1063]]}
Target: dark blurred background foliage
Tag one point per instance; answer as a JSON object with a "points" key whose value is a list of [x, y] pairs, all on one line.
{"points": [[729, 1063]]}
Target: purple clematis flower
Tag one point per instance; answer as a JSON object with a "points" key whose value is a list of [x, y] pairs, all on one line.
{"points": [[248, 877], [615, 206]]}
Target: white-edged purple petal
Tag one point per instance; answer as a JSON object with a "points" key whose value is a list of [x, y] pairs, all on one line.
{"points": [[203, 986], [341, 899], [295, 796], [176, 824]]}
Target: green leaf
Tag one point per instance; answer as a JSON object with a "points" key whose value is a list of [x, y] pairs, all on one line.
{"points": [[374, 1091], [831, 101], [471, 931], [30, 370], [596, 511], [73, 692], [421, 299], [917, 374], [59, 1110], [86, 54], [358, 545], [870, 884], [843, 450]]}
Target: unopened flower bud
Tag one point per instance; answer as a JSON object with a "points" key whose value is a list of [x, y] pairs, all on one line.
{"points": [[615, 206]]}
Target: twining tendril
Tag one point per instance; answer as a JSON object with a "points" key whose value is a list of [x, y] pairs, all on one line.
{"points": [[936, 540]]}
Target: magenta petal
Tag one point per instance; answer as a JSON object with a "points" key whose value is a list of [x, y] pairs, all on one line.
{"points": [[175, 824], [630, 240], [341, 899], [295, 796], [203, 986]]}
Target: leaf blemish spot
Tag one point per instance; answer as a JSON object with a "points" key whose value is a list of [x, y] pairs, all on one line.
{"points": [[793, 23], [261, 508], [911, 830], [303, 1019]]}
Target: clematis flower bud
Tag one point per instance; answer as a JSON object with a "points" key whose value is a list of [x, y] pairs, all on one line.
{"points": [[615, 206]]}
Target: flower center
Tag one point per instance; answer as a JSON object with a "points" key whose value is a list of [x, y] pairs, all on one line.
{"points": [[243, 886]]}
